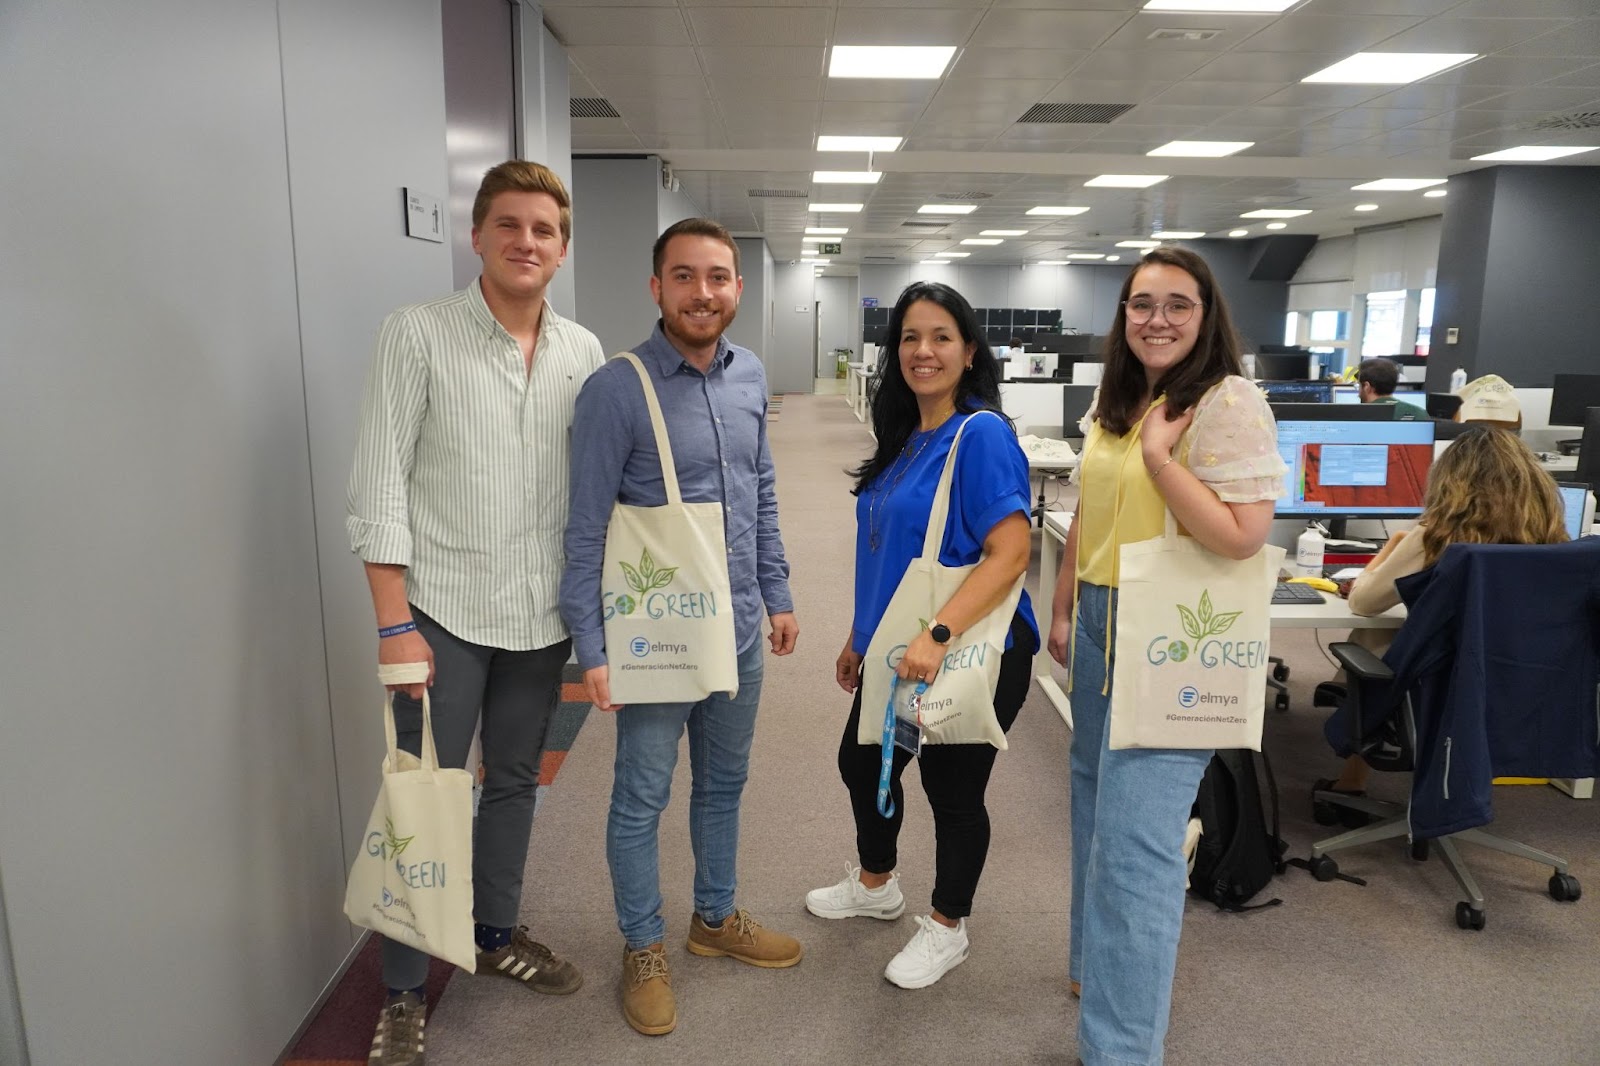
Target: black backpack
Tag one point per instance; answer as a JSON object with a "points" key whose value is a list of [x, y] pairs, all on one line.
{"points": [[1237, 856]]}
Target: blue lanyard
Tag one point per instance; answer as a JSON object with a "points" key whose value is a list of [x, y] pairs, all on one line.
{"points": [[886, 768]]}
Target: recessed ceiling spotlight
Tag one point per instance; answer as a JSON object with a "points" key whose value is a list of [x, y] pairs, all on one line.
{"points": [[1057, 210], [1274, 212], [1126, 181], [846, 177], [1532, 153], [952, 255], [1002, 233], [1138, 244], [1434, 194], [947, 209], [1178, 234], [836, 230], [1398, 184], [1238, 233], [1202, 149], [1388, 68], [889, 61], [1277, 225], [830, 143], [1366, 207], [983, 240], [830, 208]]}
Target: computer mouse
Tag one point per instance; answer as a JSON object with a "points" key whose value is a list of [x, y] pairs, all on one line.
{"points": [[1321, 584]]}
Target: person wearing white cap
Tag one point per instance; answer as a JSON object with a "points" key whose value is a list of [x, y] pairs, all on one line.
{"points": [[1490, 399]]}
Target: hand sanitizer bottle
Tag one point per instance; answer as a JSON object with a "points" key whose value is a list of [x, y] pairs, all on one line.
{"points": [[1458, 379]]}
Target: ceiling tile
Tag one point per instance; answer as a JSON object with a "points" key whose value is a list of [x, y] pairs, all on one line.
{"points": [[878, 89], [1439, 97], [929, 26], [790, 113], [1232, 30], [1316, 33], [576, 26], [656, 112], [1386, 7], [1015, 92], [1047, 29], [938, 143], [1509, 70], [1573, 39], [1525, 9], [1589, 77], [835, 113], [764, 62], [1177, 115], [1378, 119], [1015, 63], [729, 87], [704, 138], [1541, 98], [757, 26], [636, 86], [1220, 93], [1117, 64], [1302, 95], [1446, 33], [636, 59], [1088, 91], [585, 142], [1286, 117]]}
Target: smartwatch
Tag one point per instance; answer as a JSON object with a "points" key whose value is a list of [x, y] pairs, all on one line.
{"points": [[939, 632]]}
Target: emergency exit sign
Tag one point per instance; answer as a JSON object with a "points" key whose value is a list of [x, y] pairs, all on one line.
{"points": [[830, 249]]}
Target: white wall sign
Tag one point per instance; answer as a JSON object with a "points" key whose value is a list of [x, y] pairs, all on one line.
{"points": [[424, 217]]}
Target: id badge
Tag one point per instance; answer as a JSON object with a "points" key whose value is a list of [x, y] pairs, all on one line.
{"points": [[907, 735]]}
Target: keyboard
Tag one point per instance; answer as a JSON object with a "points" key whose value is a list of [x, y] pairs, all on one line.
{"points": [[1283, 592]]}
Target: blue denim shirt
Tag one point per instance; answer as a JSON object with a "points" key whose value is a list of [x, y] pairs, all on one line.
{"points": [[717, 426]]}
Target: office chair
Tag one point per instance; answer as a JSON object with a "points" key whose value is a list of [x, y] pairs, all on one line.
{"points": [[1504, 656]]}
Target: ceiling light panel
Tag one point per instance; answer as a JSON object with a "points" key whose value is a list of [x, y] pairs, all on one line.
{"points": [[1238, 233], [1434, 194], [1275, 212], [1178, 234], [833, 230], [1366, 207], [846, 177], [842, 209], [1201, 149], [1532, 153], [952, 255], [1125, 181], [983, 240], [947, 209], [1056, 210], [833, 143], [1085, 255], [1388, 68], [1277, 225], [1002, 233], [1053, 263], [936, 262], [1138, 244], [889, 61], [1397, 184], [1222, 7]]}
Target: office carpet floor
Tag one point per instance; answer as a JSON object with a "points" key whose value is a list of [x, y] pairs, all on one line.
{"points": [[1338, 974]]}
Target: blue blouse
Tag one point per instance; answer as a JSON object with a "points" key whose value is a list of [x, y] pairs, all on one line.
{"points": [[990, 482]]}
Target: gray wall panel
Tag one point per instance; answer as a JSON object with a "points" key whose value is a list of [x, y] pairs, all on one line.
{"points": [[547, 133], [793, 322], [753, 327], [615, 207], [480, 105], [160, 544], [364, 103]]}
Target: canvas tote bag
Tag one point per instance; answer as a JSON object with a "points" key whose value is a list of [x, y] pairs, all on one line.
{"points": [[665, 599], [412, 880], [958, 707], [1191, 645]]}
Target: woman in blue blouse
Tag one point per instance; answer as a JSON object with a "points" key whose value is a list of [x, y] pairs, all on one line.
{"points": [[940, 374]]}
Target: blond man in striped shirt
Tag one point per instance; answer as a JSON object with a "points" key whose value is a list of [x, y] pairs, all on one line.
{"points": [[457, 504]]}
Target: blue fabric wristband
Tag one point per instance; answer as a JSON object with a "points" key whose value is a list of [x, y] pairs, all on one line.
{"points": [[395, 631]]}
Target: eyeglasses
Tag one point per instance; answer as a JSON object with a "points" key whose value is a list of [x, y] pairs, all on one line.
{"points": [[1176, 312]]}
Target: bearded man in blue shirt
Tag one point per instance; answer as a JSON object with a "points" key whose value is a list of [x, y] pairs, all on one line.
{"points": [[713, 398]]}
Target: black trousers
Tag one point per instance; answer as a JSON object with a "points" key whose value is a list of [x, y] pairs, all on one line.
{"points": [[954, 776]]}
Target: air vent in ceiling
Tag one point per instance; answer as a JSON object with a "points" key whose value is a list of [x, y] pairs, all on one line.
{"points": [[963, 196], [592, 107], [778, 194], [1580, 120], [923, 225], [1183, 35], [1065, 113]]}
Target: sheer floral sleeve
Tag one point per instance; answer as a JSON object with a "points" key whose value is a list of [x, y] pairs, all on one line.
{"points": [[1233, 443]]}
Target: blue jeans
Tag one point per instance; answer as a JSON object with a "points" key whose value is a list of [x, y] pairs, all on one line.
{"points": [[1129, 812], [720, 731]]}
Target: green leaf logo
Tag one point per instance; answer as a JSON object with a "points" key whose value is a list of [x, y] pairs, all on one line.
{"points": [[1204, 621], [647, 577], [396, 844]]}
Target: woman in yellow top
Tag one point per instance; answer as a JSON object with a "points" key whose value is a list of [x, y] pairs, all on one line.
{"points": [[1174, 426]]}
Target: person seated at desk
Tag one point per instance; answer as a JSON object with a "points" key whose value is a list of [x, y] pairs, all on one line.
{"points": [[1378, 378], [1487, 488]]}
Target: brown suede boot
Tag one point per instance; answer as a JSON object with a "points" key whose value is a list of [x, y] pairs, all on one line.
{"points": [[647, 1001], [742, 937]]}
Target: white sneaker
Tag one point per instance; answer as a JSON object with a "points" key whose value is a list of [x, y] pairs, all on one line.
{"points": [[851, 899], [933, 952]]}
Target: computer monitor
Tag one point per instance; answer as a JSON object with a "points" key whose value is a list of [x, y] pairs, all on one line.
{"points": [[1297, 391], [1354, 469], [1283, 365], [1410, 389], [1346, 394], [1341, 412], [1577, 502], [1572, 395], [1443, 404], [1075, 400], [1588, 470]]}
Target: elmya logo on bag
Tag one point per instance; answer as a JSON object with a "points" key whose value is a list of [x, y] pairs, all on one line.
{"points": [[645, 580], [1200, 624]]}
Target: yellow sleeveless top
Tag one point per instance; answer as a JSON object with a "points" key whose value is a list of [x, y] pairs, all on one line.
{"points": [[1118, 501]]}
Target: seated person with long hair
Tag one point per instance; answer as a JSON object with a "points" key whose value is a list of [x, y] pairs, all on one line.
{"points": [[1487, 488]]}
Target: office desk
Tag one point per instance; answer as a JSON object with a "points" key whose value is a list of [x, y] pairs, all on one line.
{"points": [[1333, 614], [1561, 464], [855, 387], [1043, 467]]}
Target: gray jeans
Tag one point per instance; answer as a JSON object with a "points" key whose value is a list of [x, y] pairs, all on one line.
{"points": [[518, 692]]}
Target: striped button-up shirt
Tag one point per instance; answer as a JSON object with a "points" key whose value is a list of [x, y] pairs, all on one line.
{"points": [[462, 465], [717, 427]]}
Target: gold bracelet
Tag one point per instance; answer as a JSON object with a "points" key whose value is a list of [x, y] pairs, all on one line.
{"points": [[1162, 467]]}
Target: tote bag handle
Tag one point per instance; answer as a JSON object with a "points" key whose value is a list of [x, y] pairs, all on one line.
{"points": [[408, 674], [939, 513], [669, 469]]}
